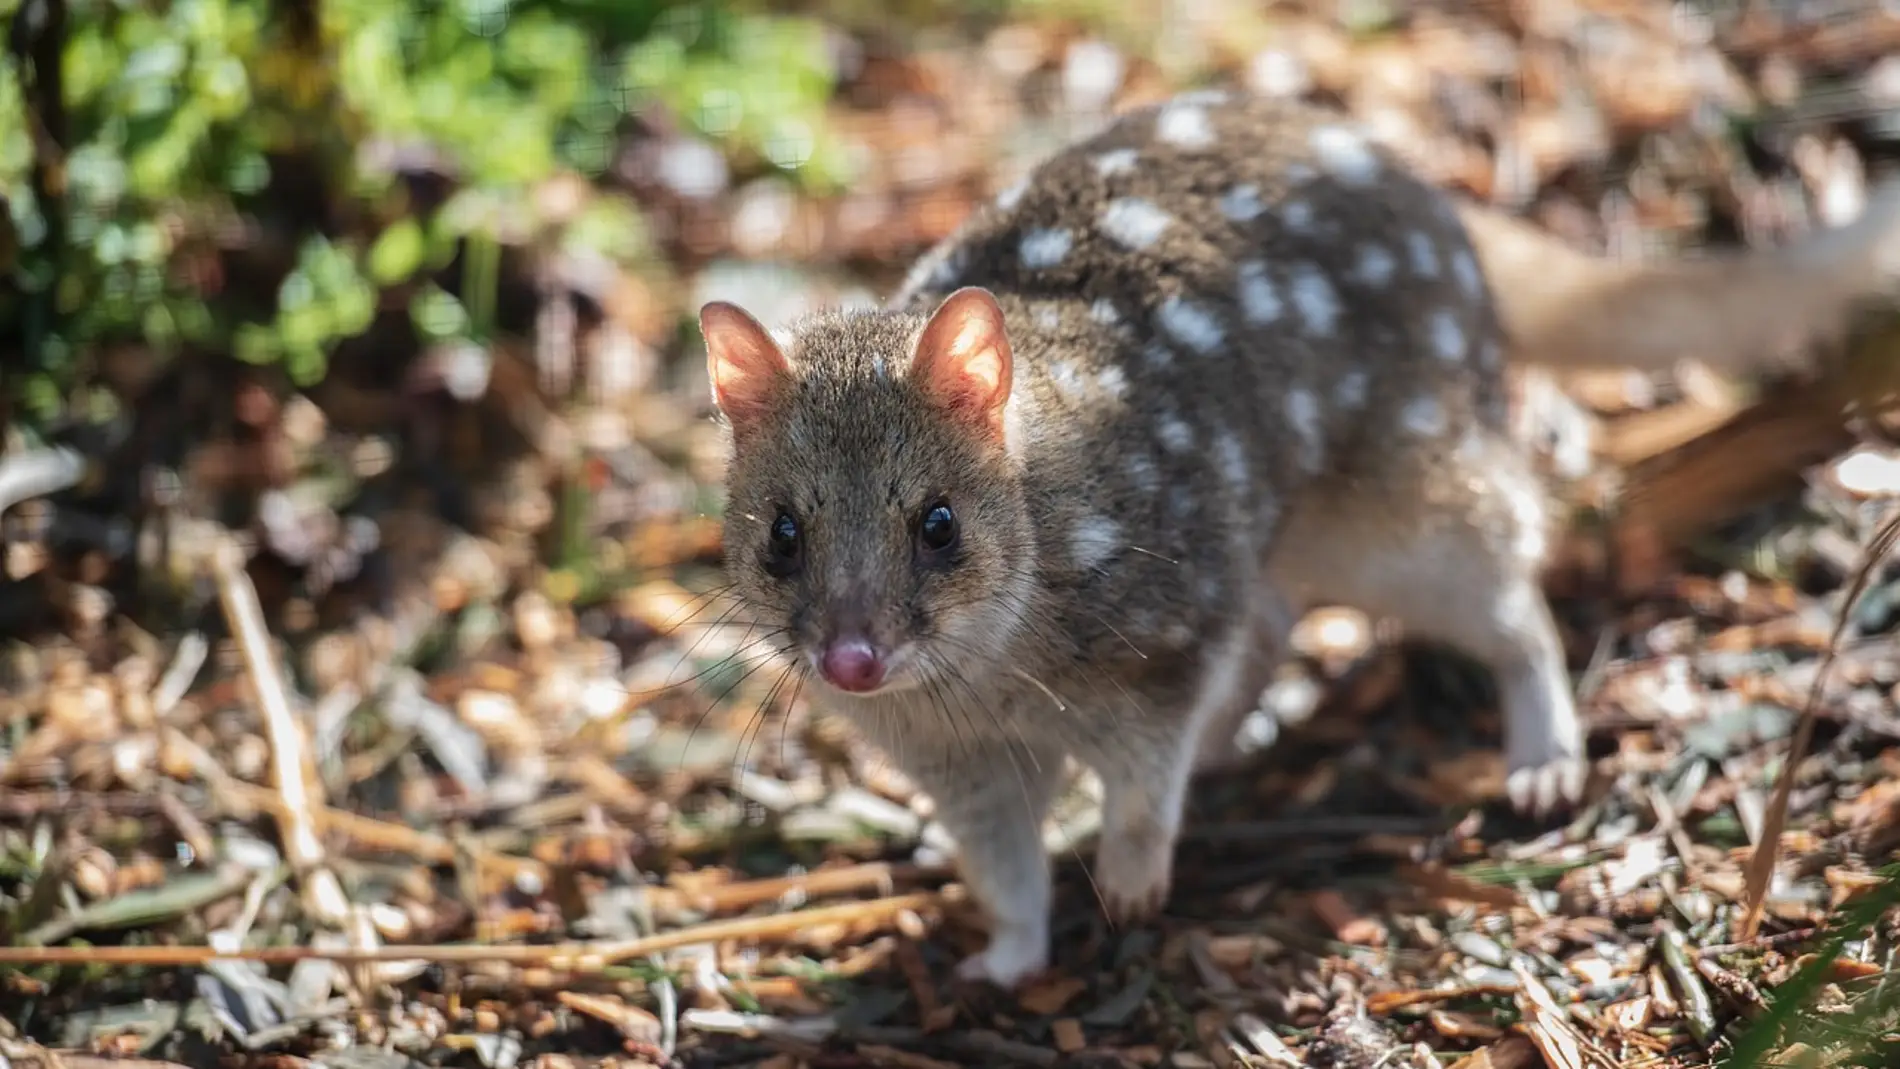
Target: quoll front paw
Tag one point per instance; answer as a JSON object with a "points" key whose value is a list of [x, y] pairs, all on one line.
{"points": [[1542, 789], [1134, 870], [1012, 957]]}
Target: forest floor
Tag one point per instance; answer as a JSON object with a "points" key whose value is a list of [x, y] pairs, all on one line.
{"points": [[506, 813]]}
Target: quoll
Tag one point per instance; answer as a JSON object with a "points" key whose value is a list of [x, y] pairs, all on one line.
{"points": [[1066, 493]]}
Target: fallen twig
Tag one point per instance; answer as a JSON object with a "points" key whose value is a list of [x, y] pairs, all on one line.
{"points": [[1761, 863], [574, 957], [877, 876], [323, 894]]}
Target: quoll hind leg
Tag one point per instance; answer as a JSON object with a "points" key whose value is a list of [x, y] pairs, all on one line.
{"points": [[1273, 620], [992, 798], [1454, 554]]}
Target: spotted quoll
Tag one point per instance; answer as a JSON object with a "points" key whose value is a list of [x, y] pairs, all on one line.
{"points": [[1067, 493]]}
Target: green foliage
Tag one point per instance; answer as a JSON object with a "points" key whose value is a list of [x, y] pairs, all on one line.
{"points": [[325, 299], [179, 111]]}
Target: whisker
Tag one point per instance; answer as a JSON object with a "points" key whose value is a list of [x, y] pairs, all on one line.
{"points": [[802, 674], [761, 713], [697, 605], [700, 720], [743, 650], [1044, 687], [707, 632], [1158, 556]]}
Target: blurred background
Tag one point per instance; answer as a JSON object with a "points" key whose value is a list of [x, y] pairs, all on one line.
{"points": [[358, 484]]}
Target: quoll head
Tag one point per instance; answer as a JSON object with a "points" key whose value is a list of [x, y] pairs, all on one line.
{"points": [[874, 516]]}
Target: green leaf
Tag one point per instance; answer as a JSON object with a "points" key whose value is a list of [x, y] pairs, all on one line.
{"points": [[256, 344], [397, 253], [438, 314]]}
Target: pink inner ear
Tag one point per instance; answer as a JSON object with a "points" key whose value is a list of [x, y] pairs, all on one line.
{"points": [[963, 359], [748, 371]]}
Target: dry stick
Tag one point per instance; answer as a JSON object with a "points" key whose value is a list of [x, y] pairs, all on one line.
{"points": [[379, 834], [1761, 864], [323, 894], [875, 874], [576, 957]]}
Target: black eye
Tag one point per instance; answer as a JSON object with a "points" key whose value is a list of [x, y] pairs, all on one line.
{"points": [[784, 546], [937, 528]]}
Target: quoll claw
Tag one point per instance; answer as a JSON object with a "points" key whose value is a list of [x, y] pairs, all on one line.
{"points": [[1135, 869], [1006, 962], [1543, 790], [1127, 911]]}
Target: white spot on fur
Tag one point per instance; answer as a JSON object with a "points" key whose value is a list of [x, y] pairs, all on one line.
{"points": [[1211, 590], [1012, 193], [1047, 317], [1345, 154], [1302, 411], [1142, 473], [1297, 215], [1241, 204], [1464, 267], [1175, 433], [1190, 324], [1103, 311], [1181, 501], [1043, 248], [1376, 265], [1111, 381], [1133, 223], [1232, 459], [1425, 417], [1177, 635], [1094, 540], [1424, 253], [1448, 338], [1116, 161], [1064, 375], [1351, 389], [1184, 125], [1316, 299], [1158, 356], [938, 270], [1260, 302]]}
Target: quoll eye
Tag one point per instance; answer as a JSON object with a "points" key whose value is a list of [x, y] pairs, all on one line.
{"points": [[937, 528], [784, 546]]}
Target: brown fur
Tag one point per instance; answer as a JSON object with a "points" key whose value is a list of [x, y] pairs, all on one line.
{"points": [[1250, 365]]}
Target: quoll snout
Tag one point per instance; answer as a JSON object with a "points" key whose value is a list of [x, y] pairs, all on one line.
{"points": [[852, 663]]}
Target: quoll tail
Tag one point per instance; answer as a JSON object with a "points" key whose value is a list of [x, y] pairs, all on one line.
{"points": [[1736, 311]]}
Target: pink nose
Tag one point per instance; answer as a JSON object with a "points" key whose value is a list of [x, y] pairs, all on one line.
{"points": [[852, 664]]}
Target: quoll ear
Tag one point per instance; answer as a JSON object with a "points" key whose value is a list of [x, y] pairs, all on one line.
{"points": [[749, 373], [963, 361]]}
